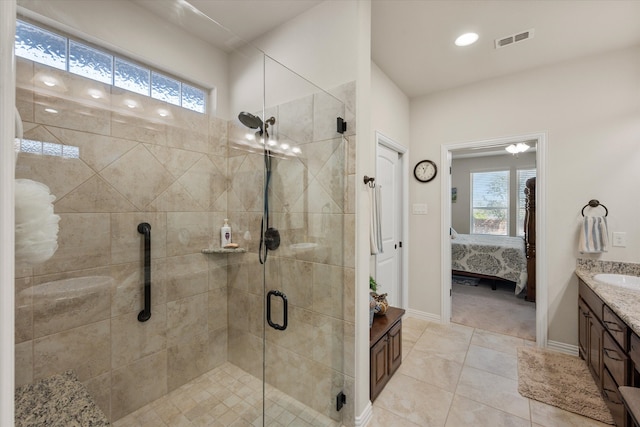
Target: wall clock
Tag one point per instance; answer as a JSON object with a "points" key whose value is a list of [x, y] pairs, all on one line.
{"points": [[425, 171]]}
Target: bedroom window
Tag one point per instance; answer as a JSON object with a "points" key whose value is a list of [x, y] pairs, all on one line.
{"points": [[523, 176], [490, 202]]}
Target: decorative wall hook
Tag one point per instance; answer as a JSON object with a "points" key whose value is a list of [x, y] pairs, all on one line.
{"points": [[369, 181]]}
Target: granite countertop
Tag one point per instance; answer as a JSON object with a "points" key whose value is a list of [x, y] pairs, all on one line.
{"points": [[57, 401], [624, 302]]}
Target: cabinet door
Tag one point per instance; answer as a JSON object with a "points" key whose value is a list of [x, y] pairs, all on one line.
{"points": [[583, 329], [595, 349], [379, 367], [395, 347]]}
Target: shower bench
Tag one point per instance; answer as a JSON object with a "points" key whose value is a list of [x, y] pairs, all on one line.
{"points": [[60, 400], [385, 349]]}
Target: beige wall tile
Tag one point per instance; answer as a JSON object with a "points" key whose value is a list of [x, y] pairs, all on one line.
{"points": [[97, 151], [218, 133], [217, 309], [23, 363], [83, 239], [186, 319], [71, 114], [127, 295], [297, 282], [23, 310], [295, 120], [140, 185], [130, 127], [190, 232], [137, 384], [175, 160], [60, 174], [327, 290], [94, 195], [187, 360], [132, 340], [86, 350], [218, 343], [64, 304], [126, 241], [186, 275], [99, 389]]}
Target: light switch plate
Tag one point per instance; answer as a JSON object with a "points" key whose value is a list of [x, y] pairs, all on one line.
{"points": [[619, 239], [419, 209]]}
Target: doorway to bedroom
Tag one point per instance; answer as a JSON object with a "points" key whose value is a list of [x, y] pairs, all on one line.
{"points": [[491, 221]]}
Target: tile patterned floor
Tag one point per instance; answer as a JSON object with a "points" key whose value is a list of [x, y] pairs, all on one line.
{"points": [[225, 396], [451, 376], [458, 376]]}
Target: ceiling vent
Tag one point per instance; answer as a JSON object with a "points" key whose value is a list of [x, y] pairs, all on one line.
{"points": [[514, 38]]}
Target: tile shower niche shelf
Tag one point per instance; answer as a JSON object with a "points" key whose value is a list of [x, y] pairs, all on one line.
{"points": [[224, 251]]}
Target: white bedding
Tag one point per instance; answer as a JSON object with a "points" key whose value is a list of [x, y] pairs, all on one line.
{"points": [[499, 256]]}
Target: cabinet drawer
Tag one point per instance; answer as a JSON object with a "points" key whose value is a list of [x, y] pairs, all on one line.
{"points": [[615, 326], [634, 350], [613, 399], [614, 359], [593, 301]]}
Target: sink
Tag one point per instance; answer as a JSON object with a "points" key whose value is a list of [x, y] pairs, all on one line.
{"points": [[621, 280]]}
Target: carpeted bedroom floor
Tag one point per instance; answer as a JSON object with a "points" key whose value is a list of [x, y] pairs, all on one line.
{"points": [[475, 304]]}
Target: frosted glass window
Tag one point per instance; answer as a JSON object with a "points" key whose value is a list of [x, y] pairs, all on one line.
{"points": [[29, 146], [165, 88], [193, 98], [51, 149], [131, 77], [70, 151], [40, 45], [91, 63]]}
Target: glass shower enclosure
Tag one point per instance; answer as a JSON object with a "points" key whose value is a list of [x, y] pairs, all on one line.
{"points": [[155, 318]]}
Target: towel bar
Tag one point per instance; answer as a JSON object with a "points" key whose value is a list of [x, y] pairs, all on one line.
{"points": [[594, 204], [370, 181]]}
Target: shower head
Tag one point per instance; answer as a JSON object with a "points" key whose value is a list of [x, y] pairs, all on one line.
{"points": [[250, 121]]}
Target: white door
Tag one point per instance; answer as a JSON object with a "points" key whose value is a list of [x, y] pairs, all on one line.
{"points": [[389, 178]]}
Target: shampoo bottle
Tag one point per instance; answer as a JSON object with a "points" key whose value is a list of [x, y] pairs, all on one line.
{"points": [[225, 234]]}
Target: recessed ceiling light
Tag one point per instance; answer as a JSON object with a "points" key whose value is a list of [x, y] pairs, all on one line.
{"points": [[466, 39]]}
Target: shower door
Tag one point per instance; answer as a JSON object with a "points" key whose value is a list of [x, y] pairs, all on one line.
{"points": [[304, 277]]}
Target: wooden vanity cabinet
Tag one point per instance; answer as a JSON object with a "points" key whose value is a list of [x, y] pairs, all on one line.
{"points": [[385, 349], [604, 344]]}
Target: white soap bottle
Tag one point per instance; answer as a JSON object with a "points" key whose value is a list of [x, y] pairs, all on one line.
{"points": [[225, 234]]}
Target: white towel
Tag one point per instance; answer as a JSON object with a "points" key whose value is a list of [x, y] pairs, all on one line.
{"points": [[594, 235], [375, 228]]}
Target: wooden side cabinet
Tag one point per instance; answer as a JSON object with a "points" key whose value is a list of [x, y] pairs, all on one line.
{"points": [[385, 349]]}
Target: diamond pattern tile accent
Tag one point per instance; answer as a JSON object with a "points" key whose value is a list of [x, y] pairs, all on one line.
{"points": [[176, 161], [95, 195], [138, 176]]}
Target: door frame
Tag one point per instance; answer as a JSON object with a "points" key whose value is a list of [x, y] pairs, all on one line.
{"points": [[541, 238], [403, 159]]}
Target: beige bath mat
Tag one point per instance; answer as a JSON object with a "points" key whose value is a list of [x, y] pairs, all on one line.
{"points": [[560, 380]]}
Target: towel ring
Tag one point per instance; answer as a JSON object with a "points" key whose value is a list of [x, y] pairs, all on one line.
{"points": [[594, 204]]}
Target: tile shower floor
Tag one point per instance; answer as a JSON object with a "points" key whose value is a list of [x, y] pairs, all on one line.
{"points": [[451, 376], [225, 396]]}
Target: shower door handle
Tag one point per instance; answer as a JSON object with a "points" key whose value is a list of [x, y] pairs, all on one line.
{"points": [[285, 310]]}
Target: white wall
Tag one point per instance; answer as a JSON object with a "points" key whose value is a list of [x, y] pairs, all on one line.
{"points": [[130, 30], [319, 44], [389, 107], [590, 111]]}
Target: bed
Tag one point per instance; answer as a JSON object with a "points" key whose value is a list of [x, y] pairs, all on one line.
{"points": [[500, 257]]}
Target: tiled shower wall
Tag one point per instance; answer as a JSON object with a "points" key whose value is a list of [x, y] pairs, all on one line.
{"points": [[133, 166], [184, 174]]}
